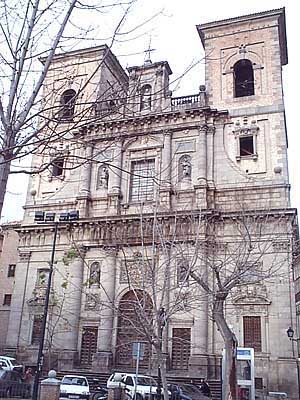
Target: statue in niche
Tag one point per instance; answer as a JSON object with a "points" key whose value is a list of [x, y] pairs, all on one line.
{"points": [[94, 278], [185, 167], [146, 98], [102, 177]]}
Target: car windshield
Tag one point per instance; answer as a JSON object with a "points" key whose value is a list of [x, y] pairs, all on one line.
{"points": [[14, 361], [146, 381], [69, 380]]}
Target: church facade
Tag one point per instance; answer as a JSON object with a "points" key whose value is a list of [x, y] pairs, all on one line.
{"points": [[168, 189]]}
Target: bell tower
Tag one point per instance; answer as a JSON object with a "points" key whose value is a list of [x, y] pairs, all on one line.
{"points": [[243, 74]]}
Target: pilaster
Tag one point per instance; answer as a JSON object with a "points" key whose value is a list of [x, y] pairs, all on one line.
{"points": [[102, 360]]}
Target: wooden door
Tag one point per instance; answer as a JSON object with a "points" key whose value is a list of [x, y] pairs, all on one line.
{"points": [[181, 348], [134, 308], [252, 332], [88, 345]]}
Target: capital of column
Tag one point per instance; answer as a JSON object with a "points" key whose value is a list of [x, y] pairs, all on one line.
{"points": [[211, 129], [111, 251], [202, 129]]}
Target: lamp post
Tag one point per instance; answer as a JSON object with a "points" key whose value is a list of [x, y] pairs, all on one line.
{"points": [[290, 333], [41, 217], [161, 324]]}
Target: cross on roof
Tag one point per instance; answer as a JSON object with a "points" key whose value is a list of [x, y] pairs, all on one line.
{"points": [[148, 54]]}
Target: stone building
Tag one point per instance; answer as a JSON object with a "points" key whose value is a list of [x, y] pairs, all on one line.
{"points": [[8, 260], [152, 176]]}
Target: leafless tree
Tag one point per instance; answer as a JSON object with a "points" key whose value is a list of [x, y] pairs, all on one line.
{"points": [[32, 33], [226, 254]]}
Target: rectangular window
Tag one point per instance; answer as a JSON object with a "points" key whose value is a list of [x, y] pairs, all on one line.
{"points": [[252, 332], [11, 270], [246, 146], [142, 180], [36, 329], [58, 166], [7, 300]]}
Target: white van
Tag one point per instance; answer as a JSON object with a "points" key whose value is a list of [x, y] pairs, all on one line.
{"points": [[10, 364]]}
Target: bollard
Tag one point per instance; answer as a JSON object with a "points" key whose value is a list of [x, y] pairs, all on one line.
{"points": [[50, 387]]}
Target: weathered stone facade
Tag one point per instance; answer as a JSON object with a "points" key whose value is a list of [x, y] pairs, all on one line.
{"points": [[195, 166]]}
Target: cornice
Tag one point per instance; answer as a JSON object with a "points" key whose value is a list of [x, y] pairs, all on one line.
{"points": [[142, 121]]}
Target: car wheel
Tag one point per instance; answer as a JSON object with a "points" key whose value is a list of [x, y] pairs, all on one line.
{"points": [[138, 396]]}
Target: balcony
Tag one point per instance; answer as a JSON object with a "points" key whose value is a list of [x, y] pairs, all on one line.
{"points": [[191, 101]]}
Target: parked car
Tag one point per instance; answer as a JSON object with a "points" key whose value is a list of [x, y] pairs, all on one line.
{"points": [[74, 387], [10, 364], [11, 384], [143, 387]]}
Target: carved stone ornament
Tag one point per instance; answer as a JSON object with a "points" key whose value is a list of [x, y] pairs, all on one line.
{"points": [[245, 128], [255, 294], [185, 167], [92, 302]]}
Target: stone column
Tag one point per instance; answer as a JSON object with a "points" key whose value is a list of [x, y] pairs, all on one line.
{"points": [[166, 260], [85, 182], [86, 169], [199, 352], [115, 175], [202, 155], [210, 155], [201, 185], [103, 358], [71, 303], [166, 160], [166, 168]]}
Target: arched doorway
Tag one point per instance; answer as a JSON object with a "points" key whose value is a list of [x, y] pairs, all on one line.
{"points": [[134, 322]]}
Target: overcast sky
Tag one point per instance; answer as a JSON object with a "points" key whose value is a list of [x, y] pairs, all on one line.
{"points": [[175, 39]]}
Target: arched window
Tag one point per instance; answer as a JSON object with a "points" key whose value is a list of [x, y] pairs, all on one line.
{"points": [[243, 78], [146, 97], [67, 102]]}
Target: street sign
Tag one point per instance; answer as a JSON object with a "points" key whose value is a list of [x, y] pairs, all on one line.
{"points": [[138, 350]]}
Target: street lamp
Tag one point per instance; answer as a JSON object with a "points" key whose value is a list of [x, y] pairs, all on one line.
{"points": [[161, 324], [42, 217], [290, 333]]}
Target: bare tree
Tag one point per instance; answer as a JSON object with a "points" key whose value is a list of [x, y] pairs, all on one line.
{"points": [[33, 33], [225, 254]]}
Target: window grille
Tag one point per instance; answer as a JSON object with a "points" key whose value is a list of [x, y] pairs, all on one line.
{"points": [[142, 180]]}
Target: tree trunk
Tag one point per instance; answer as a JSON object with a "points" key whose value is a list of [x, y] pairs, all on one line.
{"points": [[4, 172], [229, 371]]}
